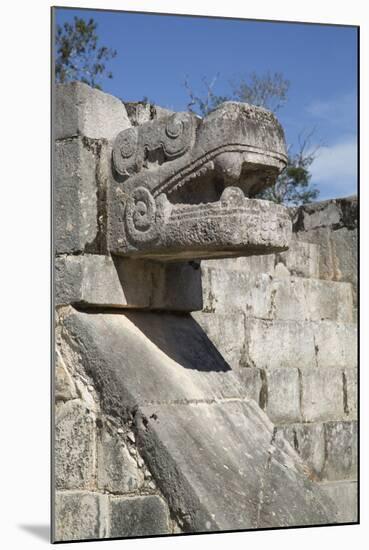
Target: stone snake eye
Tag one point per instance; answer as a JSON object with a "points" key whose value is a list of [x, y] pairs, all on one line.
{"points": [[174, 127], [124, 151], [177, 138]]}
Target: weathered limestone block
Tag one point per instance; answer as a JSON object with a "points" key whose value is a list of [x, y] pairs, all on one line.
{"points": [[80, 515], [338, 253], [345, 254], [75, 197], [321, 394], [141, 112], [117, 470], [249, 264], [336, 344], [321, 237], [303, 344], [254, 385], [309, 442], [295, 346], [334, 213], [311, 299], [341, 451], [65, 388], [75, 443], [227, 292], [98, 280], [227, 333], [84, 111], [301, 259], [138, 516], [350, 388], [345, 495], [283, 395], [324, 213], [332, 225], [260, 295]]}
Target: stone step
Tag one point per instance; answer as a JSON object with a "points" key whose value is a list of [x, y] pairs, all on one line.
{"points": [[324, 344], [345, 495], [249, 342], [265, 297]]}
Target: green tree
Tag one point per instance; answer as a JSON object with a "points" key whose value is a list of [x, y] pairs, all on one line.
{"points": [[78, 55], [293, 186]]}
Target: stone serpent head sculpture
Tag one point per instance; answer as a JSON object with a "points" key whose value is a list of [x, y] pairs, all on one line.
{"points": [[182, 186]]}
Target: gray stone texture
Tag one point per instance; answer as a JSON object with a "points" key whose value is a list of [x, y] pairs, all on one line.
{"points": [[336, 344], [140, 112], [340, 451], [265, 297], [303, 344], [162, 347], [84, 111], [346, 496], [80, 515], [301, 259], [254, 385], [97, 280], [138, 516], [75, 197], [350, 383], [197, 417], [75, 442], [230, 492], [65, 388], [117, 470], [295, 344], [227, 333], [284, 505], [249, 264], [321, 394], [309, 441], [332, 225], [287, 336], [333, 213], [283, 395]]}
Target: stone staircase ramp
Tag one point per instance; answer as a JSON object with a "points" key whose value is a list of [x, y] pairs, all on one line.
{"points": [[214, 454]]}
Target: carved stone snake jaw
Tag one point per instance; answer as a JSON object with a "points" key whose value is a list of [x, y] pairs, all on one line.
{"points": [[182, 186]]}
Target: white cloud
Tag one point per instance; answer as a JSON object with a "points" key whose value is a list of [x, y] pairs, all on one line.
{"points": [[337, 111], [337, 105], [334, 170]]}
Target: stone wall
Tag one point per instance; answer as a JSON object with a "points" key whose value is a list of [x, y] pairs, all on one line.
{"points": [[103, 487], [286, 323]]}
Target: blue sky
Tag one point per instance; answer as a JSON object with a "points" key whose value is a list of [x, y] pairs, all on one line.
{"points": [[157, 52]]}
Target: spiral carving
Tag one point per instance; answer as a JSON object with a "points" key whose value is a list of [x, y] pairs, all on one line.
{"points": [[141, 216], [177, 134], [124, 151]]}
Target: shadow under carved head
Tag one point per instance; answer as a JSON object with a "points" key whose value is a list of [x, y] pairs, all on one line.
{"points": [[182, 187]]}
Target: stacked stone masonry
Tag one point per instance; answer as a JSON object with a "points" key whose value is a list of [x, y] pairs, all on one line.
{"points": [[286, 323], [100, 475]]}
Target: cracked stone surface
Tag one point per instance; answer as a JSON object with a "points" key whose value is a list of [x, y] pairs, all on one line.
{"points": [[198, 417]]}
